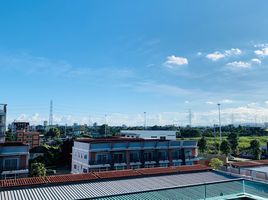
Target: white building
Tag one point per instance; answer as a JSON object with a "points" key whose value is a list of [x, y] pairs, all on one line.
{"points": [[149, 134]]}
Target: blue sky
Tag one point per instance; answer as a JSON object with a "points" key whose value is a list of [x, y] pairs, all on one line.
{"points": [[121, 58]]}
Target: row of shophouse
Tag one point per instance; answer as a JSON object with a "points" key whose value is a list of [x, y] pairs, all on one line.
{"points": [[132, 151]]}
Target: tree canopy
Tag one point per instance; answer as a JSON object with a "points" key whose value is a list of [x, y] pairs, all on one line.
{"points": [[225, 147]]}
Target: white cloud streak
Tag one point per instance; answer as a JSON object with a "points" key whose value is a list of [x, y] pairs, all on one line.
{"points": [[175, 61], [217, 55]]}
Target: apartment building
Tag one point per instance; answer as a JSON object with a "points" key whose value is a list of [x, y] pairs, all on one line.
{"points": [[149, 134], [20, 126], [31, 138], [3, 112], [14, 157], [116, 153]]}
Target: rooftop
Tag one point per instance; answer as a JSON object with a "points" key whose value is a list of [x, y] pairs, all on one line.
{"points": [[156, 183], [12, 144], [68, 178], [252, 163], [93, 189]]}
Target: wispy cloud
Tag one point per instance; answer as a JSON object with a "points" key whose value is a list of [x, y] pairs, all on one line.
{"points": [[238, 65], [165, 89], [175, 61], [217, 55], [262, 52], [223, 101], [29, 64]]}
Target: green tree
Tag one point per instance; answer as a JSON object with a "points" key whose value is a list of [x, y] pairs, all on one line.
{"points": [[202, 145], [9, 136], [53, 132], [215, 163], [216, 146], [225, 147], [255, 148], [104, 128], [233, 141], [38, 169]]}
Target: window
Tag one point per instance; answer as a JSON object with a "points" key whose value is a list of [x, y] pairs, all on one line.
{"points": [[119, 158], [11, 164], [162, 155], [134, 156], [84, 170], [74, 166], [148, 156], [102, 158], [85, 156]]}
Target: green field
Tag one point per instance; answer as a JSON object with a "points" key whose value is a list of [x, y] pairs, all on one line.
{"points": [[244, 141]]}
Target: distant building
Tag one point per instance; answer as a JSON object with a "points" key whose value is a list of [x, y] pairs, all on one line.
{"points": [[3, 112], [31, 138], [14, 157], [149, 134], [20, 126], [130, 153]]}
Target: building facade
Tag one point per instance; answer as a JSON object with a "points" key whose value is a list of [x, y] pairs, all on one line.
{"points": [[149, 134], [31, 138], [14, 157], [130, 153], [20, 126], [3, 112]]}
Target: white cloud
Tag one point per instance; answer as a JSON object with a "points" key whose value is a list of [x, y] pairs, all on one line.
{"points": [[210, 102], [261, 45], [174, 61], [215, 56], [226, 101], [163, 89], [266, 102], [199, 53], [233, 52], [187, 102], [219, 55], [262, 52], [256, 61], [238, 65]]}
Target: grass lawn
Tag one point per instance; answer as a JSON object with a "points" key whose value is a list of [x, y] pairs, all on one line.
{"points": [[244, 141]]}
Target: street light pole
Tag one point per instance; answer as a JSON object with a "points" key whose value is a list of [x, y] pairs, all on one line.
{"points": [[219, 107]]}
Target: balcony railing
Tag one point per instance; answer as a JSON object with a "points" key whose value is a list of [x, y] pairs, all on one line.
{"points": [[99, 162]]}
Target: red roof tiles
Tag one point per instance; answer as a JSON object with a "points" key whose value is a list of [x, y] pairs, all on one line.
{"points": [[117, 174], [71, 178], [99, 175], [247, 164], [23, 182], [193, 168], [157, 170]]}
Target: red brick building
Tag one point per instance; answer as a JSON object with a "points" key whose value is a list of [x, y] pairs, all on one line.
{"points": [[30, 138]]}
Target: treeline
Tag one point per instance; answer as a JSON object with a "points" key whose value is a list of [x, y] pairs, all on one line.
{"points": [[186, 132]]}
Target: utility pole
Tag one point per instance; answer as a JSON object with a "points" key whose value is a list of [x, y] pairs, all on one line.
{"points": [[144, 120], [219, 107]]}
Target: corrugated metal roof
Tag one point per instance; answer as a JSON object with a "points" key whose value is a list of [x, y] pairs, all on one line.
{"points": [[107, 188]]}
